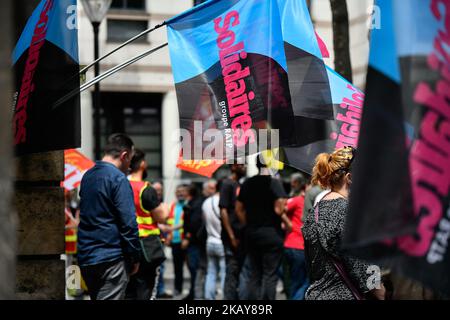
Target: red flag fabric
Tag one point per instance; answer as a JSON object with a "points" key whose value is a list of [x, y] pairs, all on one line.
{"points": [[75, 165], [202, 167]]}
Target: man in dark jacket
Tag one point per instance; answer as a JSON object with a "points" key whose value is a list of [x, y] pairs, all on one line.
{"points": [[108, 242]]}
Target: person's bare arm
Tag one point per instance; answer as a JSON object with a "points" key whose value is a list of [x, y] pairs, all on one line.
{"points": [[280, 209], [134, 268], [379, 294], [287, 222], [227, 225], [160, 213], [73, 221], [177, 227], [279, 206], [240, 212], [169, 238], [164, 227]]}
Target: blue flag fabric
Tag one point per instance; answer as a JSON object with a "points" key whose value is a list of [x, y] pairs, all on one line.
{"points": [[308, 80], [46, 67], [290, 87], [230, 72], [327, 135], [327, 107], [399, 206]]}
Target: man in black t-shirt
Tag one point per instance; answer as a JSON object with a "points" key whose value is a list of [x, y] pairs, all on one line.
{"points": [[260, 206], [232, 231]]}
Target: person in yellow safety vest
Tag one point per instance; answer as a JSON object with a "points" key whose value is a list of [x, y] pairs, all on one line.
{"points": [[71, 228], [176, 221], [175, 236], [149, 212], [71, 225]]}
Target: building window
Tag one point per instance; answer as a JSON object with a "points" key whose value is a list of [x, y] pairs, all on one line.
{"points": [[139, 116], [122, 30], [128, 4]]}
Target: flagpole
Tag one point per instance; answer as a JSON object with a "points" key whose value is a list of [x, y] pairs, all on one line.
{"points": [[130, 61], [143, 33], [119, 67], [105, 75]]}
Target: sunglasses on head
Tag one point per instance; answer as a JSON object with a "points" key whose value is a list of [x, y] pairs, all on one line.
{"points": [[353, 152]]}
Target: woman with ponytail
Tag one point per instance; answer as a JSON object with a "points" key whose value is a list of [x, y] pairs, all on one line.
{"points": [[334, 275]]}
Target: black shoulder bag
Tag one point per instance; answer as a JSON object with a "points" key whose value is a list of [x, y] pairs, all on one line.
{"points": [[152, 250]]}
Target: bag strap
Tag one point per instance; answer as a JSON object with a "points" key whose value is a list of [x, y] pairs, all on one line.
{"points": [[337, 263], [214, 208]]}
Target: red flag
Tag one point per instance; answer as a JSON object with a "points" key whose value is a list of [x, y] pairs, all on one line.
{"points": [[202, 167], [75, 165]]}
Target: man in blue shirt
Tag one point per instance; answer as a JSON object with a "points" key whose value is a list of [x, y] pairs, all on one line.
{"points": [[108, 241]]}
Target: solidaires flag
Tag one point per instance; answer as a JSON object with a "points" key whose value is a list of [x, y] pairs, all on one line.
{"points": [[230, 73], [399, 205], [46, 67], [327, 108]]}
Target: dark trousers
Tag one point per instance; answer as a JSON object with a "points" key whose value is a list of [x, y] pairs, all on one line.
{"points": [[234, 260], [106, 281], [178, 255], [193, 262], [264, 263], [298, 273], [142, 284], [161, 289], [200, 278], [284, 275], [243, 279]]}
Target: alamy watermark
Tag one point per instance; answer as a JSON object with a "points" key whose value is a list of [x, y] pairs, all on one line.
{"points": [[228, 145], [374, 20], [374, 279], [73, 277], [72, 20]]}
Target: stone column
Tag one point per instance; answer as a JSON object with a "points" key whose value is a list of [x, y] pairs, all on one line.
{"points": [[39, 201], [8, 221]]}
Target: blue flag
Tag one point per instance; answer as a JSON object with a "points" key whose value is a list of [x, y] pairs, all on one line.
{"points": [[327, 107], [271, 48], [404, 154], [230, 72], [46, 66]]}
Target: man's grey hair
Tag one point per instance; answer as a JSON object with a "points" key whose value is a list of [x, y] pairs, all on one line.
{"points": [[206, 183], [299, 177]]}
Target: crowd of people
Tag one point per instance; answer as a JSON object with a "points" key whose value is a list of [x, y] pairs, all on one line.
{"points": [[239, 237]]}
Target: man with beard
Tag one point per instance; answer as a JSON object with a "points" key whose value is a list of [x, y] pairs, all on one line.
{"points": [[108, 243]]}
